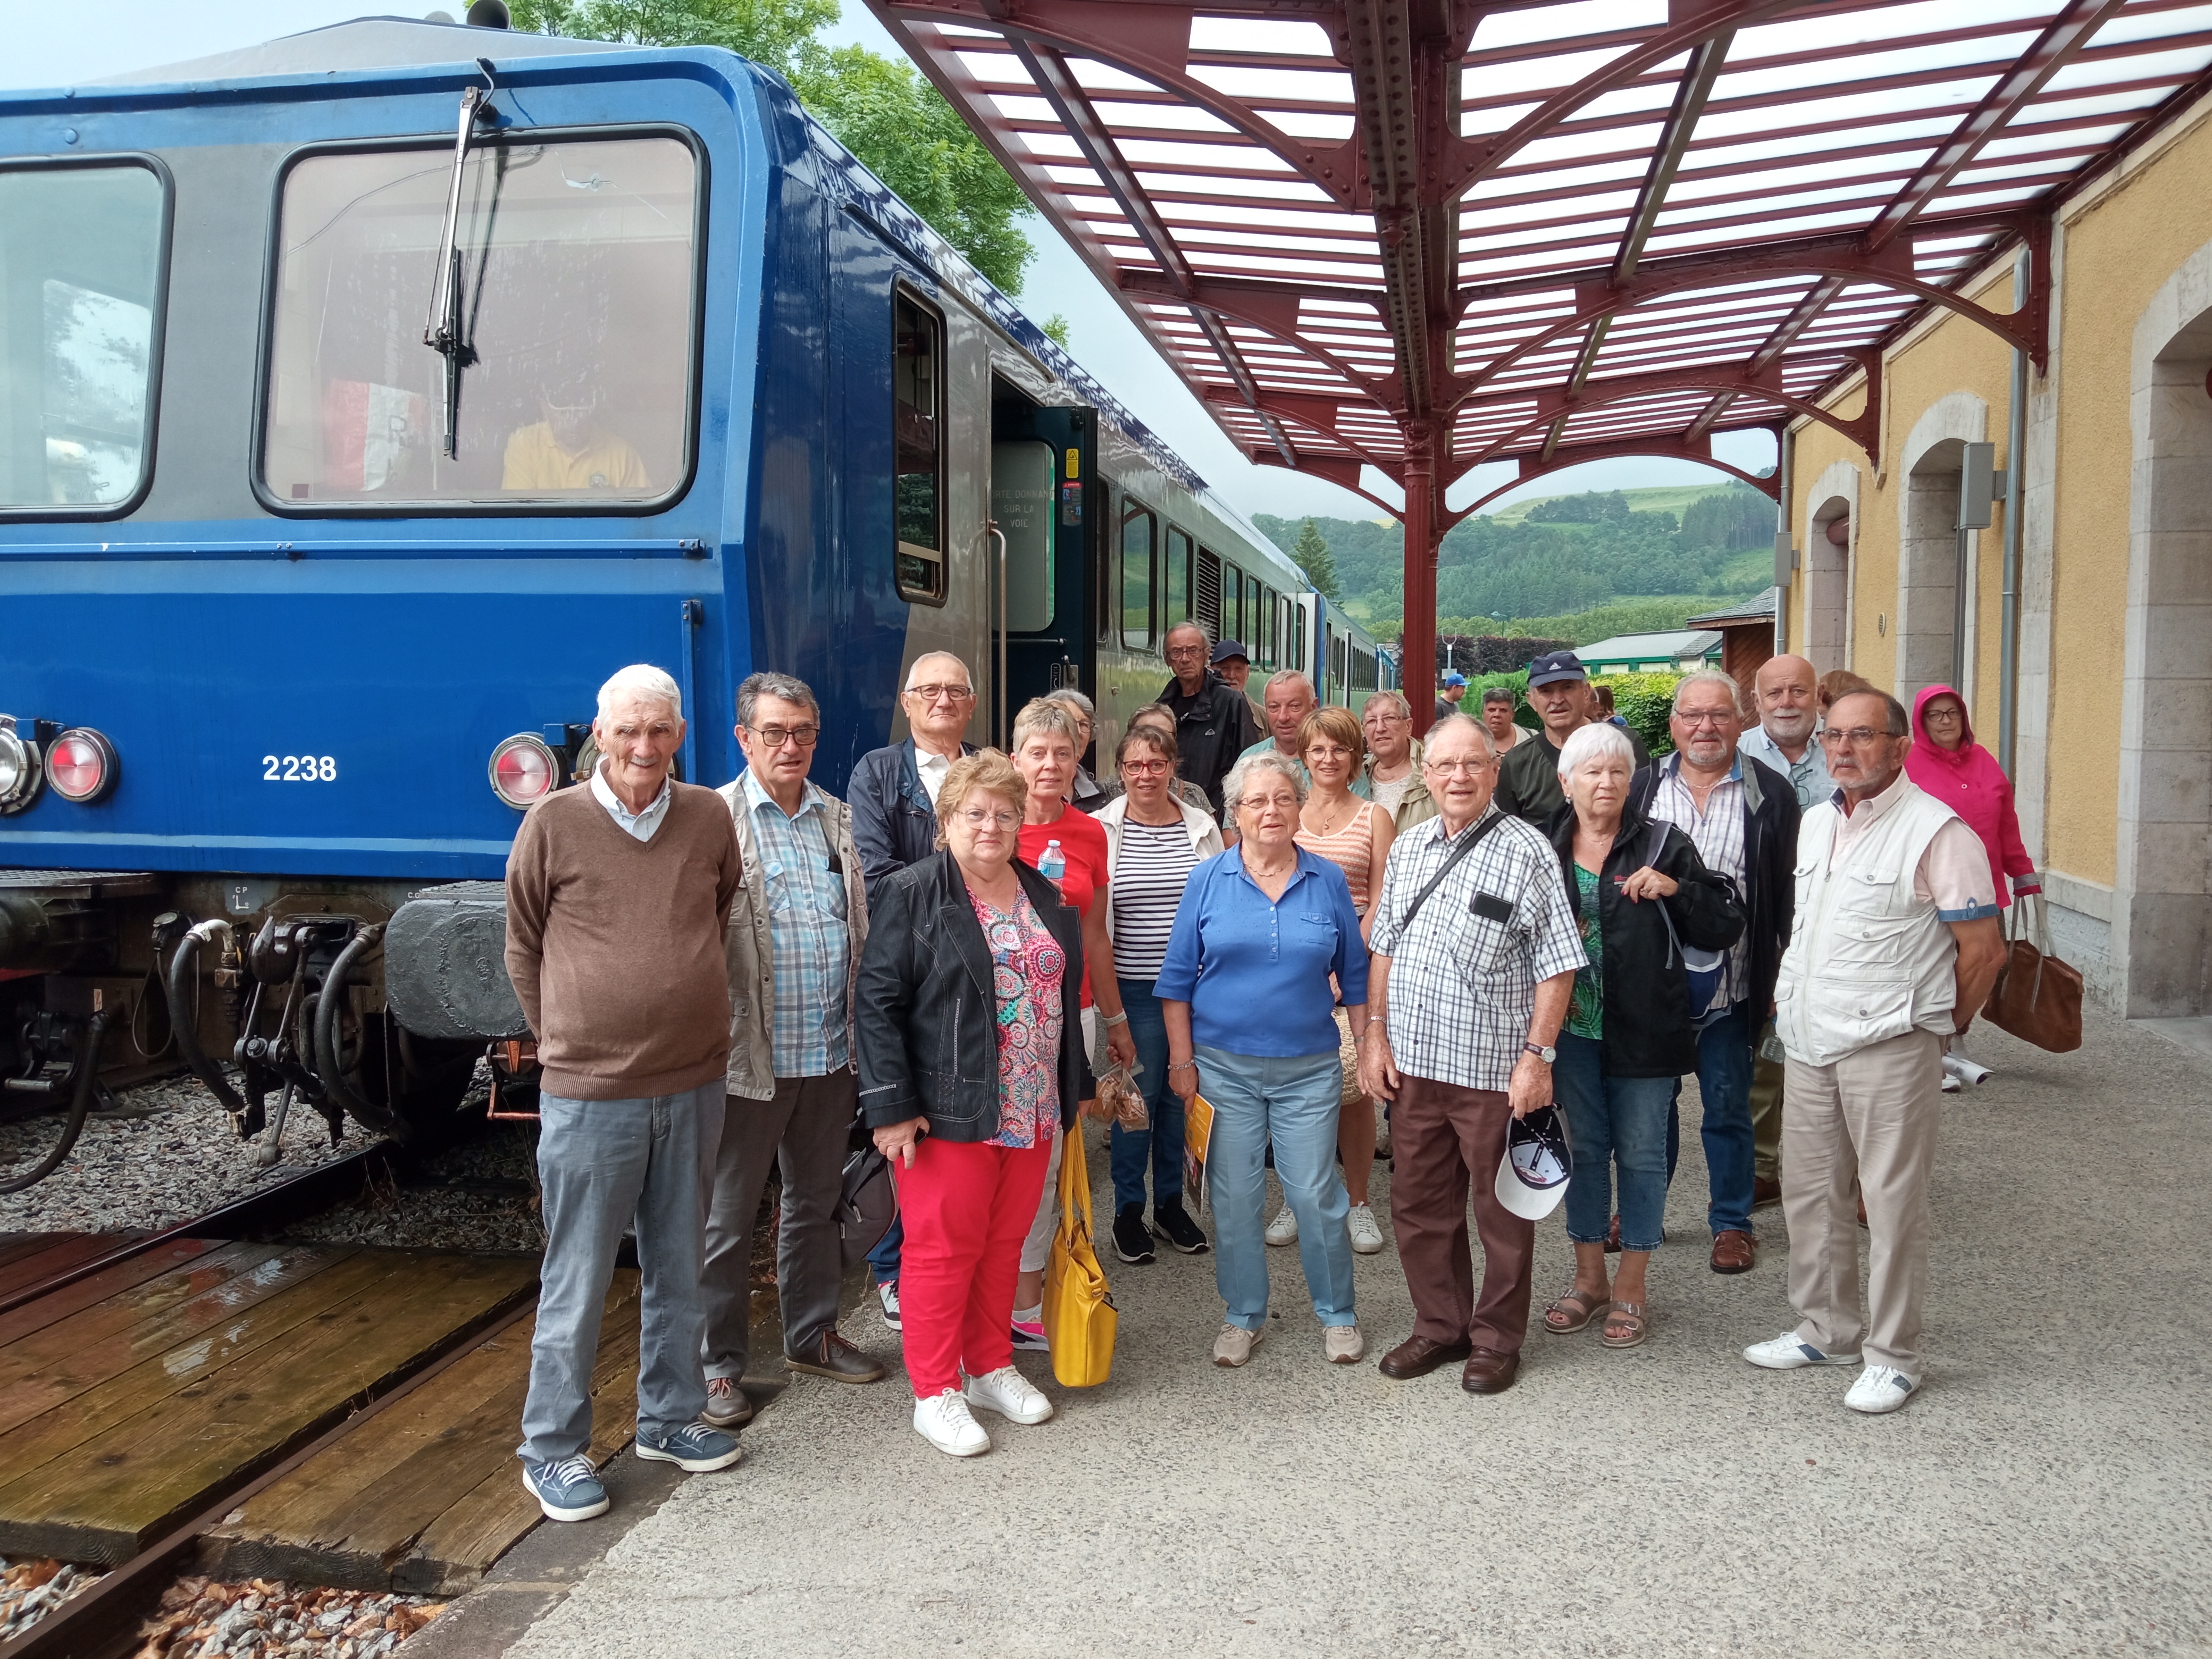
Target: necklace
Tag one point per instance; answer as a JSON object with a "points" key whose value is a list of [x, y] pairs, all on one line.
{"points": [[1329, 823]]}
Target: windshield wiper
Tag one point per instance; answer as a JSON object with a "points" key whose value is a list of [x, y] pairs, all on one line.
{"points": [[445, 332]]}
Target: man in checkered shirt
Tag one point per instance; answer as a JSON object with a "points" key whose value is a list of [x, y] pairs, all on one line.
{"points": [[1465, 999]]}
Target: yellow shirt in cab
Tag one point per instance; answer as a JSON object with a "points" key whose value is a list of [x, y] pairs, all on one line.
{"points": [[534, 462]]}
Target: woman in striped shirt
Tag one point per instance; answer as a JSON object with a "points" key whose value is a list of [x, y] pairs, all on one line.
{"points": [[1354, 834], [1154, 840]]}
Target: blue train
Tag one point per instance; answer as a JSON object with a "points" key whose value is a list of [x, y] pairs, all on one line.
{"points": [[366, 398]]}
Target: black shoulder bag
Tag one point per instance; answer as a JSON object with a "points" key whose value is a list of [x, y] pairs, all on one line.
{"points": [[1458, 852]]}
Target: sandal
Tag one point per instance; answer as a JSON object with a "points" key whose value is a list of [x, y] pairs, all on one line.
{"points": [[1571, 1302], [1629, 1317]]}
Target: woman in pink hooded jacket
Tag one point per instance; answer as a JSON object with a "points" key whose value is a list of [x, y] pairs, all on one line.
{"points": [[1946, 762]]}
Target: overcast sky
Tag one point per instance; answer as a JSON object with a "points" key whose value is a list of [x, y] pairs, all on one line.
{"points": [[56, 46]]}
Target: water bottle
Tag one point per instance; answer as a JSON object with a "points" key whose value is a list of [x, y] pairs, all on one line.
{"points": [[1053, 867]]}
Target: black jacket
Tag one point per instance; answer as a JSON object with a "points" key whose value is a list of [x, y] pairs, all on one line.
{"points": [[893, 823], [1213, 728], [1770, 863], [925, 1014], [1648, 1031]]}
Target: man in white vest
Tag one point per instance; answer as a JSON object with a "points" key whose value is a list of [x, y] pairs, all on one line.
{"points": [[1896, 945]]}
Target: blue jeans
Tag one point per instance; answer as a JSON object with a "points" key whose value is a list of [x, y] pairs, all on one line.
{"points": [[1293, 1102], [1724, 1056], [884, 1258], [1614, 1121], [605, 1166], [1161, 1146]]}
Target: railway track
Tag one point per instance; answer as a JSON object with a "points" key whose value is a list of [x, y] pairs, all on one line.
{"points": [[184, 1401]]}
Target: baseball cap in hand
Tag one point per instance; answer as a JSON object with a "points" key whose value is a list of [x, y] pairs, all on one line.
{"points": [[1533, 1175], [1228, 648], [1554, 666]]}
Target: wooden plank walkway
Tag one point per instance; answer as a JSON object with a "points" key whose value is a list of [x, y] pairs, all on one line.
{"points": [[134, 1399], [427, 1494], [26, 1258]]}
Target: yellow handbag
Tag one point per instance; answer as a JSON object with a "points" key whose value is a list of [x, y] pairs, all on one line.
{"points": [[1078, 1309]]}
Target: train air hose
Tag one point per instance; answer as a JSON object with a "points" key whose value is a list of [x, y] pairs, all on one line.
{"points": [[182, 982], [80, 1104], [328, 1061]]}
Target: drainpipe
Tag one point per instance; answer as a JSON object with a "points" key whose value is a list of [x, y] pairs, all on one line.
{"points": [[2015, 468]]}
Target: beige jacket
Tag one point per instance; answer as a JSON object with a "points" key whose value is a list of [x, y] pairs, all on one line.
{"points": [[1415, 805], [746, 942]]}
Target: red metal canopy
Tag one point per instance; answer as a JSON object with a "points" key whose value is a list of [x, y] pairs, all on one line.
{"points": [[1388, 241]]}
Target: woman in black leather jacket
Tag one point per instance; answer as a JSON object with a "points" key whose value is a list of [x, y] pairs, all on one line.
{"points": [[971, 1047]]}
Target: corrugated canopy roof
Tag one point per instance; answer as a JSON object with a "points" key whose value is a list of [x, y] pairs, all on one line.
{"points": [[1420, 235]]}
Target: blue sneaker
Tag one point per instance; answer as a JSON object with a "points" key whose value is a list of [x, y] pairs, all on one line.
{"points": [[697, 1448], [566, 1491]]}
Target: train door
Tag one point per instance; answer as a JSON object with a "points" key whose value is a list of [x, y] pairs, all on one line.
{"points": [[1044, 502]]}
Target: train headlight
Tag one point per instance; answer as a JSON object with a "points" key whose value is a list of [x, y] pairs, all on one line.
{"points": [[523, 770], [20, 774], [82, 765]]}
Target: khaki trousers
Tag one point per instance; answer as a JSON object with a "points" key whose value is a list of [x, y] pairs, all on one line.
{"points": [[1765, 1109], [1873, 1114]]}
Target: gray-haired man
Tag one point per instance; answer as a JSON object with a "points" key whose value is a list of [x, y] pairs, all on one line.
{"points": [[616, 894], [794, 938]]}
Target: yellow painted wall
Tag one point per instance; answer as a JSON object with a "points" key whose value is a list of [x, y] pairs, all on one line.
{"points": [[2117, 254]]}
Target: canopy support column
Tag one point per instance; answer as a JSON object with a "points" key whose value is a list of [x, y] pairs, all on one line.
{"points": [[1423, 535]]}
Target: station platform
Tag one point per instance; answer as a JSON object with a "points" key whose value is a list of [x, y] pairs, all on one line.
{"points": [[2047, 1494]]}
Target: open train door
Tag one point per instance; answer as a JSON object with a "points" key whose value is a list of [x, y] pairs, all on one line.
{"points": [[1043, 505]]}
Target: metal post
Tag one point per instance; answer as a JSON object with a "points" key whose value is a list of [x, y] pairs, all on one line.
{"points": [[1786, 454], [2016, 479], [991, 528], [1419, 664]]}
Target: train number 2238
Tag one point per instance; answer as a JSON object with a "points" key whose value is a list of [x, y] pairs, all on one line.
{"points": [[299, 768]]}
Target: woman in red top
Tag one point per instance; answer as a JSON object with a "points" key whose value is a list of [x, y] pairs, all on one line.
{"points": [[1946, 762], [1045, 743]]}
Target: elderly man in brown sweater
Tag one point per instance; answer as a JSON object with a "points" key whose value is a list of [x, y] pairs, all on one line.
{"points": [[617, 892]]}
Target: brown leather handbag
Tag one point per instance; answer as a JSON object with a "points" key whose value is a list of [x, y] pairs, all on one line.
{"points": [[2038, 998]]}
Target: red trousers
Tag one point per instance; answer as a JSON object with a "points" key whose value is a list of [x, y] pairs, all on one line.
{"points": [[967, 1208]]}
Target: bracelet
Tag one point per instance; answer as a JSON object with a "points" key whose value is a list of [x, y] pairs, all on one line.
{"points": [[1184, 1066], [1114, 1019]]}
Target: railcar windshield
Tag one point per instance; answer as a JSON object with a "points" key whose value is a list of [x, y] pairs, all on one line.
{"points": [[577, 301], [79, 279]]}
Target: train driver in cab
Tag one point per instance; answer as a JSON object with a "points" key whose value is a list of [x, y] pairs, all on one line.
{"points": [[569, 451]]}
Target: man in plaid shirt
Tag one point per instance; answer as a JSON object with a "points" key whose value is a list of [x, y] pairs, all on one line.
{"points": [[1466, 990]]}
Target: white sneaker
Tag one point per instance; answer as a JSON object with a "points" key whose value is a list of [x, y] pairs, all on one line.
{"points": [[1008, 1392], [1966, 1071], [943, 1421], [1951, 1083], [1235, 1345], [1880, 1390], [1787, 1351], [1366, 1234], [1343, 1344], [1283, 1228], [887, 1294]]}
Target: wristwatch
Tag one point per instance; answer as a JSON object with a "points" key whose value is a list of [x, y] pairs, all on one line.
{"points": [[1547, 1055]]}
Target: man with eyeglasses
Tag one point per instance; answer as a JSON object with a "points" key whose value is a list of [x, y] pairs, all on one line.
{"points": [[1214, 723], [794, 941], [1742, 818], [1898, 948], [893, 791]]}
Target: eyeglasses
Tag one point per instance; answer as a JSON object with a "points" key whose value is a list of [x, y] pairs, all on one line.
{"points": [[1176, 653], [1444, 768], [775, 737], [1137, 768], [1858, 736], [940, 693], [1931, 715], [1712, 717], [977, 817]]}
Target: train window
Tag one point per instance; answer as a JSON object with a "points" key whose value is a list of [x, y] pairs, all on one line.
{"points": [[80, 249], [918, 447], [1205, 591], [1174, 579], [1232, 604], [1136, 577], [571, 386]]}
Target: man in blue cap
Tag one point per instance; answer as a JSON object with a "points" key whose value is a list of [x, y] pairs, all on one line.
{"points": [[1528, 774], [1454, 688]]}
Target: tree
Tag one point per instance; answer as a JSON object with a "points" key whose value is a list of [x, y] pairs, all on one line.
{"points": [[1311, 554], [1054, 329], [886, 113]]}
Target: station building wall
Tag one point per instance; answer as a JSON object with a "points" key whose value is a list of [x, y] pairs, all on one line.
{"points": [[2113, 746]]}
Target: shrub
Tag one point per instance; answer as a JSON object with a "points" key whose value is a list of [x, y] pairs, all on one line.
{"points": [[1644, 700]]}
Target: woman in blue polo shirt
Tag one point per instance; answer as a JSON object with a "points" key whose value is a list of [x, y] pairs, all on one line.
{"points": [[1246, 993]]}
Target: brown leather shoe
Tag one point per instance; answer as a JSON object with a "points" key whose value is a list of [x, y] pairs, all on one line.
{"points": [[1489, 1371], [1734, 1252], [838, 1360], [1765, 1192], [1417, 1356]]}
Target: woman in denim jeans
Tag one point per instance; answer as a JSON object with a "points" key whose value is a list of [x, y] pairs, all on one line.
{"points": [[1629, 1035], [1251, 1022]]}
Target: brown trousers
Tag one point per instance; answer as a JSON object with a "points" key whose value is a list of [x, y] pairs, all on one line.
{"points": [[1444, 1138]]}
